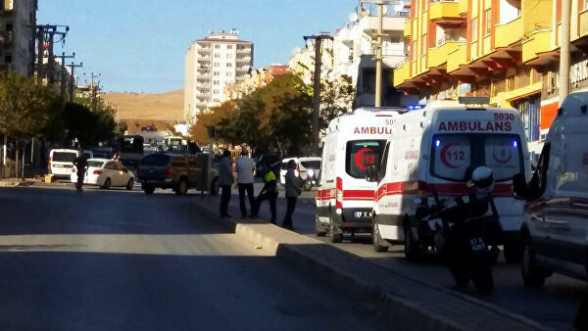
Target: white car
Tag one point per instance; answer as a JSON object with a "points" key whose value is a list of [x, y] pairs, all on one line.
{"points": [[303, 166], [106, 174]]}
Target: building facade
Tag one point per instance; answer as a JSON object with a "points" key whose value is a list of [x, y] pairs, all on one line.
{"points": [[354, 52], [256, 78], [212, 64], [507, 50], [17, 42]]}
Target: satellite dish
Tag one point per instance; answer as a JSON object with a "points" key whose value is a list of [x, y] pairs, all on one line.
{"points": [[353, 17]]}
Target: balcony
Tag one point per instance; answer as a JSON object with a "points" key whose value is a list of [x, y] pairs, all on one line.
{"points": [[244, 59], [245, 50], [444, 11], [457, 57], [583, 23], [438, 56], [205, 50], [402, 74], [370, 24], [6, 37], [508, 34], [407, 30], [463, 7], [539, 42], [203, 68]]}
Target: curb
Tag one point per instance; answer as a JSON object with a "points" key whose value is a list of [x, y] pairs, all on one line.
{"points": [[405, 313]]}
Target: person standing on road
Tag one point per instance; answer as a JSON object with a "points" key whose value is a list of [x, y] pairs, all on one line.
{"points": [[245, 169], [81, 164], [225, 181], [292, 192], [269, 192]]}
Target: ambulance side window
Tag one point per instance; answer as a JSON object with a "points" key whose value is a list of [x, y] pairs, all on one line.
{"points": [[383, 164], [539, 179]]}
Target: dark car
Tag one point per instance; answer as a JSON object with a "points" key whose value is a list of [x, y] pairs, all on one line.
{"points": [[177, 172]]}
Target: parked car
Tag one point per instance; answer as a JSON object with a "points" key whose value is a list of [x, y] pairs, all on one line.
{"points": [[102, 153], [106, 174], [61, 162], [303, 166], [178, 172], [554, 233]]}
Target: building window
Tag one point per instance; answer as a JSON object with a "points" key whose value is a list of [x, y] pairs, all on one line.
{"points": [[217, 56], [488, 26], [229, 56], [229, 46], [475, 29], [8, 58], [215, 91], [216, 100], [229, 65], [216, 73], [217, 46], [216, 64], [229, 74], [424, 44], [216, 82]]}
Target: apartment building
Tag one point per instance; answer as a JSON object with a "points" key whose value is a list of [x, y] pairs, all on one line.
{"points": [[354, 52], [302, 60], [256, 78], [507, 50], [212, 64], [17, 43]]}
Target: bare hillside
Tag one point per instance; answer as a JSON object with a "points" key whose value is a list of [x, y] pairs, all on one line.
{"points": [[166, 107]]}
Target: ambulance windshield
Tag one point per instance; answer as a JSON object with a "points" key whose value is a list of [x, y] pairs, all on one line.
{"points": [[455, 155], [360, 154]]}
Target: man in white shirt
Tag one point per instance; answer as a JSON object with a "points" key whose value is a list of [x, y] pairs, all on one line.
{"points": [[245, 169]]}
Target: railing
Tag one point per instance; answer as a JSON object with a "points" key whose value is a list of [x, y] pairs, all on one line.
{"points": [[449, 38]]}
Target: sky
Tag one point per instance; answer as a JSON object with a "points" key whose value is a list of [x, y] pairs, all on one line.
{"points": [[139, 45]]}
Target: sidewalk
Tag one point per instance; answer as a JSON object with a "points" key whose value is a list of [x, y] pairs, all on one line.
{"points": [[33, 181], [411, 304]]}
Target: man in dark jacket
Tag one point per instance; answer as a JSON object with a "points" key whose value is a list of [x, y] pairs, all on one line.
{"points": [[269, 192], [81, 163], [292, 192], [225, 181]]}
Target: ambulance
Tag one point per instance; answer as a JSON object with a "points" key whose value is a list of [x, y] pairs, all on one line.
{"points": [[352, 143], [435, 149]]}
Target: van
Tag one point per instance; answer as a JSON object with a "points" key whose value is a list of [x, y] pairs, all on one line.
{"points": [[352, 143], [435, 149], [61, 162], [554, 233]]}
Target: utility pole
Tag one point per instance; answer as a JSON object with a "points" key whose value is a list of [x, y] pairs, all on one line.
{"points": [[46, 39], [63, 83], [564, 53], [379, 46], [51, 59], [316, 104], [73, 67], [94, 89], [40, 51]]}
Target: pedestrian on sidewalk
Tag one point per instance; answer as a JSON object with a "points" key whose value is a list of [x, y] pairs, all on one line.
{"points": [[81, 164], [269, 192], [293, 190], [225, 181], [245, 169]]}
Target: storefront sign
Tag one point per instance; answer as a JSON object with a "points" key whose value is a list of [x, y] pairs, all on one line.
{"points": [[579, 72]]}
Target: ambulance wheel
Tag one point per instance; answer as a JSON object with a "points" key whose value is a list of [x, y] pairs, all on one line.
{"points": [[412, 250], [533, 275], [319, 230], [335, 232], [380, 245]]}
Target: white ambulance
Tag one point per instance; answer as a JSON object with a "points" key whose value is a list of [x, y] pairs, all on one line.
{"points": [[353, 142], [436, 149]]}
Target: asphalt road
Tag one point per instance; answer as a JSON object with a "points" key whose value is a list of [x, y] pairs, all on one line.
{"points": [[118, 260], [555, 305]]}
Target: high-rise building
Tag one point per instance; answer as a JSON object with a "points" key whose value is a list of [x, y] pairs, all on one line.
{"points": [[17, 43], [211, 64]]}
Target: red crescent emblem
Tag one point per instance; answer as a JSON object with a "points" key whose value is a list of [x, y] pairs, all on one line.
{"points": [[361, 160], [502, 161], [443, 156]]}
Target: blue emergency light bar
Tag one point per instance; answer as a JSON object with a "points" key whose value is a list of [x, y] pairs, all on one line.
{"points": [[414, 107]]}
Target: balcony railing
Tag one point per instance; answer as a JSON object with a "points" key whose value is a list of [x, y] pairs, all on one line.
{"points": [[509, 33]]}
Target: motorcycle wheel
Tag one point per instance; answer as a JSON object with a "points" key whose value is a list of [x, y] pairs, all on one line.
{"points": [[482, 276]]}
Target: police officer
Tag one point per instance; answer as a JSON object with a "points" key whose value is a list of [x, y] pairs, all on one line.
{"points": [[81, 164], [269, 192]]}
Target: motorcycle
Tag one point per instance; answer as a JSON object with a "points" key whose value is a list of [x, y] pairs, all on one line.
{"points": [[310, 181], [463, 233]]}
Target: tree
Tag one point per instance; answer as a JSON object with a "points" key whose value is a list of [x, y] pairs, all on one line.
{"points": [[336, 99], [27, 108], [87, 126]]}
